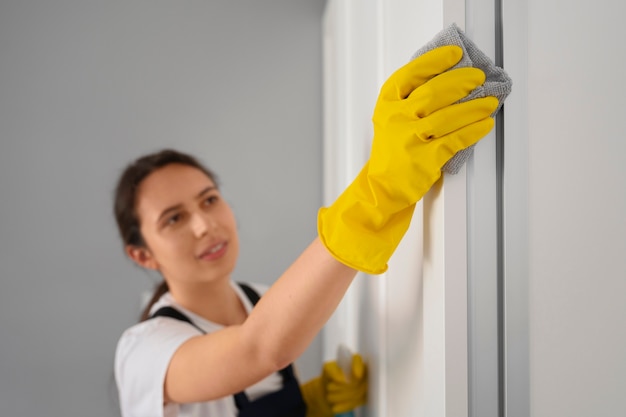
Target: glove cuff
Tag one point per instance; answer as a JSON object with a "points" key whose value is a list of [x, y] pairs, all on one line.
{"points": [[359, 231]]}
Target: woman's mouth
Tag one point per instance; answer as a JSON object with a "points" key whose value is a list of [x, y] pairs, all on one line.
{"points": [[214, 252]]}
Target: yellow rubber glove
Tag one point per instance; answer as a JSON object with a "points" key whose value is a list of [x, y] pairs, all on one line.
{"points": [[345, 393], [314, 395], [418, 126], [331, 393]]}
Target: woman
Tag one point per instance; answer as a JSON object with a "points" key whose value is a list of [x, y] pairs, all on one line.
{"points": [[173, 218]]}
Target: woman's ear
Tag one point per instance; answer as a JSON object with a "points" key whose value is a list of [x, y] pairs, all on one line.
{"points": [[141, 256]]}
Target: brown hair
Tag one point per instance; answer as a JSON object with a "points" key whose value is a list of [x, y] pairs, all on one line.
{"points": [[126, 196]]}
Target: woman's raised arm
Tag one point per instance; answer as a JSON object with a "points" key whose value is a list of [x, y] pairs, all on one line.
{"points": [[419, 125], [278, 330]]}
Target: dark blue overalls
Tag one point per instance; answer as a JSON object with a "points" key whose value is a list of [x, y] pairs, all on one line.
{"points": [[286, 402]]}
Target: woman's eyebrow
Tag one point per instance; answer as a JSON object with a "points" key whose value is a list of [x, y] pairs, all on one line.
{"points": [[168, 210], [178, 206], [206, 190]]}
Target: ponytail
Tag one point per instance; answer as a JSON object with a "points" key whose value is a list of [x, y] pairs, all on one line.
{"points": [[160, 289]]}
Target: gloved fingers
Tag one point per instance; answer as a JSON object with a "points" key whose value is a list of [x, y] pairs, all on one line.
{"points": [[341, 392], [332, 372], [339, 397], [466, 136], [347, 401], [452, 118], [445, 89], [337, 388], [341, 408], [345, 396], [344, 408], [347, 405], [410, 76], [358, 366]]}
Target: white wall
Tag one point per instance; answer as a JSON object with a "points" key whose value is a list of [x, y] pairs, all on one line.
{"points": [[87, 86]]}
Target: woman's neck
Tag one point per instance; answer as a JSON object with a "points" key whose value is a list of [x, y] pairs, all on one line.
{"points": [[215, 301]]}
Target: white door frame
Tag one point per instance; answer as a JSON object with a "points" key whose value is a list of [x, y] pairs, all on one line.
{"points": [[429, 326]]}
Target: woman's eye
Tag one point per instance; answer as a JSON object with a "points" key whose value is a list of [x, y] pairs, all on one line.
{"points": [[173, 219], [211, 200]]}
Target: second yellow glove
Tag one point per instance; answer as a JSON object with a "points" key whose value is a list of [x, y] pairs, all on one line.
{"points": [[346, 392], [332, 393]]}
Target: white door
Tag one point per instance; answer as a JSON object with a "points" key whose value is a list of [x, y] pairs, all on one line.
{"points": [[428, 327]]}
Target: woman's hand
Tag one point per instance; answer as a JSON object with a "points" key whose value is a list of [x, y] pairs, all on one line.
{"points": [[333, 392], [418, 126]]}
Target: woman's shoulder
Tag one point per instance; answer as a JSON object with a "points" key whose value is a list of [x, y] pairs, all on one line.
{"points": [[161, 331], [156, 337], [143, 354]]}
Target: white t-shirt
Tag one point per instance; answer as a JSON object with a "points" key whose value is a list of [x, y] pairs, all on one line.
{"points": [[143, 355]]}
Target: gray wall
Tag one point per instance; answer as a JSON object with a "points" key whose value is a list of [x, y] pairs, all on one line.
{"points": [[576, 208], [85, 87]]}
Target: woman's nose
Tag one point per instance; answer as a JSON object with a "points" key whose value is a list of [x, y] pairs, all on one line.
{"points": [[201, 224]]}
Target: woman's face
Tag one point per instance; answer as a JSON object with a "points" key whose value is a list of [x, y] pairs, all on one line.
{"points": [[189, 230]]}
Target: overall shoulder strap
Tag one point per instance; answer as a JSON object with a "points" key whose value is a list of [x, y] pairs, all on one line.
{"points": [[253, 296], [171, 312]]}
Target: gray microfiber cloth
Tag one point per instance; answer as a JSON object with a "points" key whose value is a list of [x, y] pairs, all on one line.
{"points": [[497, 83]]}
